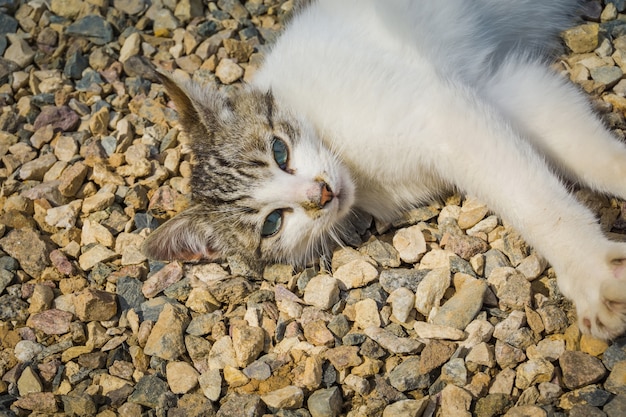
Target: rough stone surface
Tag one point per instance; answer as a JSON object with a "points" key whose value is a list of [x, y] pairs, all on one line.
{"points": [[443, 312]]}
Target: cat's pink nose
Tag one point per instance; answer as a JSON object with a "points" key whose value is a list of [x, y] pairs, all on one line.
{"points": [[326, 194]]}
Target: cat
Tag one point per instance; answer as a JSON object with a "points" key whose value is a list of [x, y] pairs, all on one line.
{"points": [[380, 106]]}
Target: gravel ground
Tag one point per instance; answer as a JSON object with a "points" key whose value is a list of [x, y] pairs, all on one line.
{"points": [[446, 312]]}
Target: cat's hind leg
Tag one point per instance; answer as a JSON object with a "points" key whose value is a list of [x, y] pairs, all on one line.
{"points": [[557, 120]]}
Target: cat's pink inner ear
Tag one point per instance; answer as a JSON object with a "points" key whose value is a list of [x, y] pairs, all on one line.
{"points": [[191, 256], [185, 237]]}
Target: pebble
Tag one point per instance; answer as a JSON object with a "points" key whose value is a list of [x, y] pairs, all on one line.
{"points": [[381, 252], [28, 248], [64, 216], [583, 38], [60, 118], [162, 279], [92, 27], [131, 47], [20, 53], [393, 343], [211, 383], [287, 398], [325, 402], [392, 279], [593, 346], [431, 289], [367, 314], [148, 391], [590, 395], [410, 244], [482, 354], [455, 401], [228, 71], [532, 266], [533, 372], [248, 342], [87, 155], [580, 369], [322, 291], [454, 372], [97, 202], [402, 301], [41, 298], [550, 349], [616, 407], [72, 179], [222, 354], [355, 274], [166, 338], [42, 402], [435, 354], [461, 309], [407, 377], [608, 76], [95, 305], [471, 213], [553, 318], [343, 357], [130, 7], [96, 254], [51, 321], [26, 350], [616, 382], [436, 331], [492, 405], [406, 408], [181, 377]]}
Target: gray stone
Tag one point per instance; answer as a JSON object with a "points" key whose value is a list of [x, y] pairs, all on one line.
{"points": [[244, 405], [258, 370], [233, 8], [407, 377], [383, 253], [7, 24], [586, 411], [495, 259], [92, 27], [129, 293], [392, 279], [149, 392], [616, 407], [325, 402], [608, 76]]}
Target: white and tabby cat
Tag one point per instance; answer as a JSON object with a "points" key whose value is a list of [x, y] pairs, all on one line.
{"points": [[382, 105]]}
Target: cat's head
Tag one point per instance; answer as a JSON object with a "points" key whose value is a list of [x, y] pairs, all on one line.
{"points": [[264, 186]]}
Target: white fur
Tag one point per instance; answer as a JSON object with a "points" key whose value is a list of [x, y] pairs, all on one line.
{"points": [[403, 92]]}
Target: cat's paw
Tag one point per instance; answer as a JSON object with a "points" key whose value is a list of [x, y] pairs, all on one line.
{"points": [[601, 308]]}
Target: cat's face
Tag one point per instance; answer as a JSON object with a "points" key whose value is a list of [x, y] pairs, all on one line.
{"points": [[264, 185]]}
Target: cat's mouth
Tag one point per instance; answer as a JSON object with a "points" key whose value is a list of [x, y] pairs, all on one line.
{"points": [[344, 195]]}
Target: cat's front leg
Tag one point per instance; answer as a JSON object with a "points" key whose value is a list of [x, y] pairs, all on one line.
{"points": [[505, 171]]}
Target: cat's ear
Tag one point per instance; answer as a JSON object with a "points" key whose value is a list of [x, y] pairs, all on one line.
{"points": [[188, 236], [197, 106]]}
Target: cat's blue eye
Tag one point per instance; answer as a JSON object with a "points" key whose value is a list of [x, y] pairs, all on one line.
{"points": [[272, 223], [281, 153]]}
